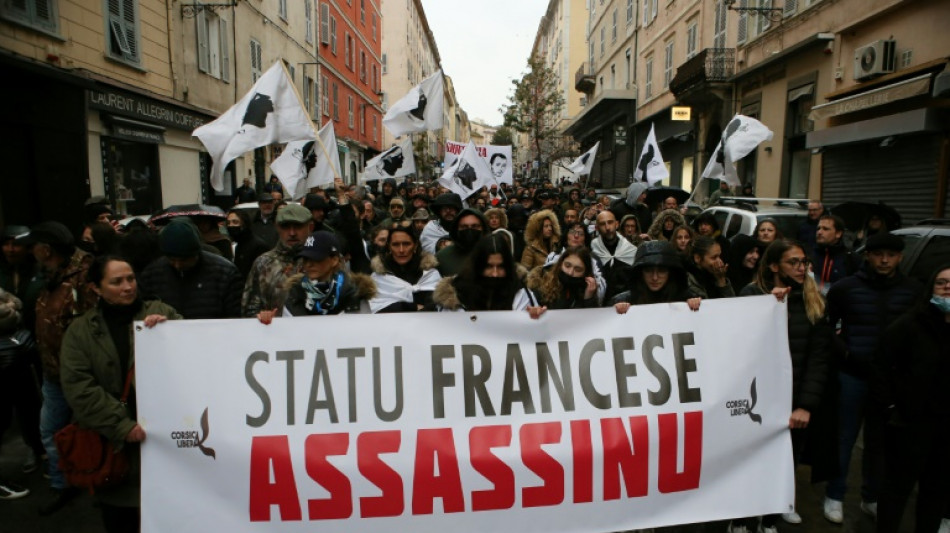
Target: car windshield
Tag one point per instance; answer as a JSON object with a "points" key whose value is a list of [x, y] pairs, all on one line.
{"points": [[787, 223]]}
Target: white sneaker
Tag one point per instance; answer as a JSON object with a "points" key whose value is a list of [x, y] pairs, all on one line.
{"points": [[737, 528], [833, 511], [869, 508], [944, 526], [792, 518]]}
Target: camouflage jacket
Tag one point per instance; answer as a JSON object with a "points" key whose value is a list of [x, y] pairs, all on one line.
{"points": [[266, 286], [65, 297]]}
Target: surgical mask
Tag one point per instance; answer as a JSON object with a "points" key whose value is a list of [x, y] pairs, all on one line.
{"points": [[942, 303]]}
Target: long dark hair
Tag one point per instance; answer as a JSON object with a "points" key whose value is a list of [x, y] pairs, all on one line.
{"points": [[97, 270], [470, 282], [410, 271], [765, 278]]}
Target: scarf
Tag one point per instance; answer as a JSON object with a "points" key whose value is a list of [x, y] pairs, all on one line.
{"points": [[625, 252]]}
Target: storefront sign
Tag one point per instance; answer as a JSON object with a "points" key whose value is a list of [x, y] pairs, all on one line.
{"points": [[884, 95], [580, 422], [143, 108], [681, 113], [132, 134]]}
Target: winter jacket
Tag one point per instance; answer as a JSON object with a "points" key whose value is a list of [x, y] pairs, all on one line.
{"points": [[92, 383], [266, 229], [355, 293], [211, 289], [446, 298], [266, 285], [832, 263], [810, 348], [656, 231], [65, 297], [866, 304], [703, 285], [540, 276], [537, 248], [912, 368], [249, 248], [452, 257]]}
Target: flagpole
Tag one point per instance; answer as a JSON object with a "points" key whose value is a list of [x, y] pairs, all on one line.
{"points": [[316, 131]]}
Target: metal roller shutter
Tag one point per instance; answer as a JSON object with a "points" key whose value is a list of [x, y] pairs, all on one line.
{"points": [[903, 175], [621, 176]]}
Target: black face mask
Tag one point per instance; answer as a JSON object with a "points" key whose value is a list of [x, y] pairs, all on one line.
{"points": [[467, 238], [493, 284], [234, 232], [570, 282], [791, 283], [86, 246]]}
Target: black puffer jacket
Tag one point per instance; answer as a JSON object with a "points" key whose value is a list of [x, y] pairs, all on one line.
{"points": [[866, 304], [212, 289], [249, 247], [810, 348]]}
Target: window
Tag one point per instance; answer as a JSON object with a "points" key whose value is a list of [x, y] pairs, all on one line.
{"points": [[613, 77], [653, 9], [336, 102], [325, 91], [762, 22], [375, 79], [362, 119], [325, 23], [629, 11], [363, 12], [375, 23], [742, 31], [282, 9], [363, 67], [349, 111], [122, 32], [384, 63], [691, 32], [668, 65], [214, 56], [646, 12], [347, 46], [307, 89], [719, 27], [308, 15], [603, 38], [629, 55], [791, 6], [375, 131], [613, 28], [255, 60], [333, 35], [648, 85], [37, 14]]}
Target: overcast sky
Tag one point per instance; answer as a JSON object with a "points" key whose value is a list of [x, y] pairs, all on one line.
{"points": [[483, 46]]}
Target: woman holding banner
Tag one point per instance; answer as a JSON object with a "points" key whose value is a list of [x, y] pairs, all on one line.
{"points": [[404, 274], [657, 276], [568, 283], [783, 272], [97, 361]]}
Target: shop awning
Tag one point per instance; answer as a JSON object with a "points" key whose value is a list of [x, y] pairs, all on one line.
{"points": [[602, 112], [915, 121], [883, 95]]}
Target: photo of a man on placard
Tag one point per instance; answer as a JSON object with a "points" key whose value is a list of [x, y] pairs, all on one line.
{"points": [[498, 165]]}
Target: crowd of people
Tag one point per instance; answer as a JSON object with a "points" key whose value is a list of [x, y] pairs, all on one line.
{"points": [[869, 346]]}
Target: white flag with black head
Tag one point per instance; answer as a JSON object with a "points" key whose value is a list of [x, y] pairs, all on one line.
{"points": [[271, 112], [584, 163], [419, 110], [397, 162], [468, 174], [650, 167], [305, 164], [742, 135]]}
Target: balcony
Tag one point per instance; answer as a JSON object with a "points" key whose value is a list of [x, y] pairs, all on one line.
{"points": [[584, 80], [710, 66]]}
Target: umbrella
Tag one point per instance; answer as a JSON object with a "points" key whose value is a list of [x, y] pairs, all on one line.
{"points": [[856, 214], [187, 210], [656, 195]]}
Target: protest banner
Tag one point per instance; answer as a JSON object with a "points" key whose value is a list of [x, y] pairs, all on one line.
{"points": [[497, 156], [581, 421]]}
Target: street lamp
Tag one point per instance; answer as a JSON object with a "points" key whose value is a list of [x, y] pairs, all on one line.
{"points": [[774, 14]]}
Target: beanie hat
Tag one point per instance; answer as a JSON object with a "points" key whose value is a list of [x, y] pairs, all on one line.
{"points": [[179, 239], [884, 241], [9, 311]]}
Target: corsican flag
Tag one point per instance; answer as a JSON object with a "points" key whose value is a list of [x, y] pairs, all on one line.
{"points": [[270, 113], [740, 137], [585, 162], [396, 162], [468, 174], [650, 168], [306, 164], [420, 110]]}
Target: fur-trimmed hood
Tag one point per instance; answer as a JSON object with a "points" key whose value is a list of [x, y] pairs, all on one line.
{"points": [[501, 215], [427, 261], [532, 232], [656, 229], [362, 284]]}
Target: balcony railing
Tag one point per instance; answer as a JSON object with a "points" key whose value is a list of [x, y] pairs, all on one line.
{"points": [[584, 80], [711, 65]]}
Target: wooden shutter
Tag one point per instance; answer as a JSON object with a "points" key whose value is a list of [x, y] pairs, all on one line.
{"points": [[325, 23], [225, 51], [742, 32], [128, 19], [204, 51]]}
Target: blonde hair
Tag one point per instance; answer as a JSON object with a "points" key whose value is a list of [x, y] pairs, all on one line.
{"points": [[765, 278]]}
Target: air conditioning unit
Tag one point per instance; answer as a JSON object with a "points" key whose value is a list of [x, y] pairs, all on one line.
{"points": [[879, 57]]}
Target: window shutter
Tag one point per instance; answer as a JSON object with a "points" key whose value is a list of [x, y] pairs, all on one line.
{"points": [[742, 32], [763, 19], [204, 53], [308, 10], [43, 11], [791, 6], [225, 51], [128, 19], [325, 23], [646, 12], [384, 63], [656, 9]]}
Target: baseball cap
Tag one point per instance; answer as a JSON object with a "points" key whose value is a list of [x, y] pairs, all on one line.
{"points": [[265, 197], [293, 214], [319, 246]]}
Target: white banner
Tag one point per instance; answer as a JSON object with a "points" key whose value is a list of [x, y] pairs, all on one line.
{"points": [[582, 421], [497, 156]]}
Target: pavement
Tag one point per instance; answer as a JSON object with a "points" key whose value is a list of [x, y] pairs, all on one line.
{"points": [[81, 515]]}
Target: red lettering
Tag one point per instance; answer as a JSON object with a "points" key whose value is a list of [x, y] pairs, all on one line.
{"points": [[583, 461], [436, 446], [369, 446], [267, 454], [631, 457], [340, 503], [670, 479], [480, 442], [551, 492]]}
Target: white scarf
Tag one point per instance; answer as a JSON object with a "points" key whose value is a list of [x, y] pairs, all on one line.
{"points": [[391, 289], [625, 252]]}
